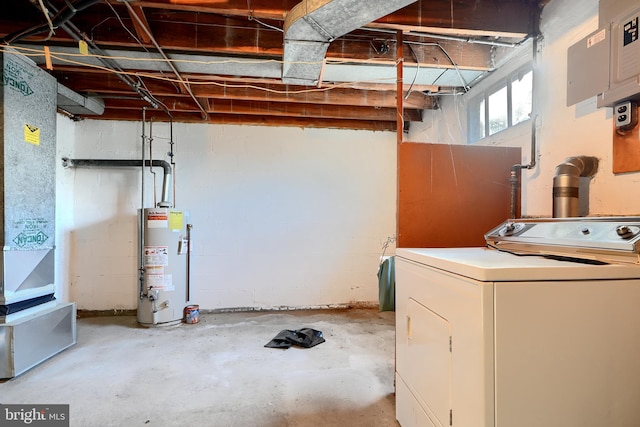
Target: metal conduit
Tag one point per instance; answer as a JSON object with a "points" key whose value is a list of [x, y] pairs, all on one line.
{"points": [[185, 85], [97, 163], [516, 170]]}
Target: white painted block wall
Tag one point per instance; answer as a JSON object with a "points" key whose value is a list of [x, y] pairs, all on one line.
{"points": [[562, 131], [283, 217]]}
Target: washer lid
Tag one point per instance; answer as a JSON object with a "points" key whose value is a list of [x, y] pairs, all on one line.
{"points": [[489, 265]]}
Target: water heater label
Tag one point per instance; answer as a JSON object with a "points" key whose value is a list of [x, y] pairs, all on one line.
{"points": [[168, 283], [154, 281], [160, 281], [175, 220], [157, 219], [156, 256]]}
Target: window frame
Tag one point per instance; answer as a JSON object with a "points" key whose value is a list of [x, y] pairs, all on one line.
{"points": [[475, 133]]}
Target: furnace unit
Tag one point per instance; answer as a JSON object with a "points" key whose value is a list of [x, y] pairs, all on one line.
{"points": [[33, 325]]}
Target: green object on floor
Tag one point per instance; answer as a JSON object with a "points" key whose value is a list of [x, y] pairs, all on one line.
{"points": [[387, 284]]}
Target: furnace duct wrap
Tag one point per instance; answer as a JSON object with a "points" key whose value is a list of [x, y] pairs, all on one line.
{"points": [[27, 185], [566, 183]]}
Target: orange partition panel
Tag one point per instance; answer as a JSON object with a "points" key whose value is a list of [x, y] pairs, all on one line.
{"points": [[450, 195], [626, 150]]}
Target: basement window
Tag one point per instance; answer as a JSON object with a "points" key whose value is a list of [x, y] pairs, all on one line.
{"points": [[503, 105]]}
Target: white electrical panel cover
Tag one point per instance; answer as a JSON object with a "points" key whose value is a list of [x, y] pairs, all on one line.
{"points": [[588, 67], [626, 51], [606, 63], [624, 82]]}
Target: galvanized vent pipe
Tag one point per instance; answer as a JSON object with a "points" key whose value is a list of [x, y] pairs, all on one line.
{"points": [[566, 183], [97, 163]]}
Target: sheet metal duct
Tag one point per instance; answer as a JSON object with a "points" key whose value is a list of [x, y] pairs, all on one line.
{"points": [[74, 103], [313, 24], [228, 65]]}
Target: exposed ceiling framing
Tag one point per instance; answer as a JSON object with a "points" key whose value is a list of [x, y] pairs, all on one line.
{"points": [[221, 61]]}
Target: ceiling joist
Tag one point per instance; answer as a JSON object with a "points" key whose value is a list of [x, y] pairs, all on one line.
{"points": [[221, 61]]}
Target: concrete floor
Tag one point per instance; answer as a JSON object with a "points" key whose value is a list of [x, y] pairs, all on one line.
{"points": [[217, 373]]}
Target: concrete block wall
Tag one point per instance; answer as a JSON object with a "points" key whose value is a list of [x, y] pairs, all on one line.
{"points": [[282, 217]]}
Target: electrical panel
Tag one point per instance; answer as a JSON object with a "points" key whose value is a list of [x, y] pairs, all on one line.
{"points": [[625, 61], [607, 62], [625, 53]]}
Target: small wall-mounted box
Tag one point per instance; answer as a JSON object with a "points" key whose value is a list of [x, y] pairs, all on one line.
{"points": [[625, 115]]}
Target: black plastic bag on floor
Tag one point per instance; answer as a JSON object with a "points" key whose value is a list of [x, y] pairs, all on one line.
{"points": [[305, 337]]}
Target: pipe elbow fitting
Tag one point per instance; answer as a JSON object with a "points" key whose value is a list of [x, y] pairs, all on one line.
{"points": [[580, 166]]}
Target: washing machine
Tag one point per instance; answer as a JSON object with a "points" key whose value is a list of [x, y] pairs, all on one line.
{"points": [[539, 328]]}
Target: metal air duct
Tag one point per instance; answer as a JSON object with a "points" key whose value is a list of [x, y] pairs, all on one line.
{"points": [[566, 182], [313, 24], [74, 103]]}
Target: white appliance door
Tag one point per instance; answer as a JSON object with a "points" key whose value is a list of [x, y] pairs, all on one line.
{"points": [[428, 359]]}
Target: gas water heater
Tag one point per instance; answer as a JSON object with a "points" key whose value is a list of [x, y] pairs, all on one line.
{"points": [[164, 284]]}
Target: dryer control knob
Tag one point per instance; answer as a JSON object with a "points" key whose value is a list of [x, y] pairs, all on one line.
{"points": [[509, 229], [623, 231]]}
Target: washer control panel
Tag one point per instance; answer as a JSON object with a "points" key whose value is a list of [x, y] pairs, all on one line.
{"points": [[606, 234]]}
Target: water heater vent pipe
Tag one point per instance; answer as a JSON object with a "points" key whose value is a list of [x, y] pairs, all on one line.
{"points": [[566, 183], [98, 163]]}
